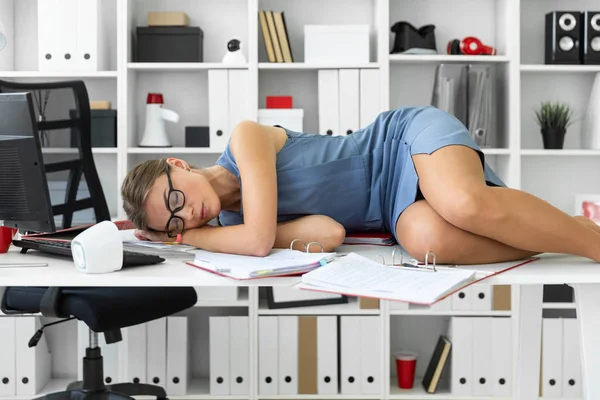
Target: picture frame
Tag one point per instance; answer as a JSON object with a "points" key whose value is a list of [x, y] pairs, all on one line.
{"points": [[588, 205], [288, 297]]}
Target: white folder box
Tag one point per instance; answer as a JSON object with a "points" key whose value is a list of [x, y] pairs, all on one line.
{"points": [[218, 108], [178, 359], [219, 357], [399, 305], [350, 357], [7, 28], [502, 350], [134, 353], [552, 359], [462, 300], [288, 354], [327, 354], [442, 305], [571, 373], [329, 102], [239, 96], [461, 335], [216, 293], [91, 44], [482, 372], [8, 342], [290, 118], [268, 355], [370, 102], [481, 296], [156, 351], [239, 357], [349, 101], [370, 348], [33, 364], [57, 34]]}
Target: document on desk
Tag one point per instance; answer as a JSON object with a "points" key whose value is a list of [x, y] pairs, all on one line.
{"points": [[130, 242], [277, 263], [355, 275]]}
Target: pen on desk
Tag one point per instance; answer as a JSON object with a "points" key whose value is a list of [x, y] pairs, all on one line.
{"points": [[10, 265]]}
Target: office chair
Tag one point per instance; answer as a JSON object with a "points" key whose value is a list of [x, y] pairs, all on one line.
{"points": [[104, 310], [64, 107]]}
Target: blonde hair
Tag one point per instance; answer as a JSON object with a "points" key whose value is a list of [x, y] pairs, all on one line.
{"points": [[136, 186]]}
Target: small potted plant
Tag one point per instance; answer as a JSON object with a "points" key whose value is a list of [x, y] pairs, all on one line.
{"points": [[554, 118]]}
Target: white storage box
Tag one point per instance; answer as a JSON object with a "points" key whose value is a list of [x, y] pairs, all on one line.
{"points": [[290, 118], [336, 44]]}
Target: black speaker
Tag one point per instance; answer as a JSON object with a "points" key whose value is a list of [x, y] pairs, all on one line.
{"points": [[590, 40], [563, 37]]}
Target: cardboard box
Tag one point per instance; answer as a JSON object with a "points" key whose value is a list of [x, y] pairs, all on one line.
{"points": [[168, 18]]}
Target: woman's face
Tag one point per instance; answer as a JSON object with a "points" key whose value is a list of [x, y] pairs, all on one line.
{"points": [[181, 200]]}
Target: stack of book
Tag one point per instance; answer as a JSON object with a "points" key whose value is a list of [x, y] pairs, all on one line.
{"points": [[275, 35]]}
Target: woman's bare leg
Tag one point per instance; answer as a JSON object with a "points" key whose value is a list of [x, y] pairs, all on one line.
{"points": [[421, 229], [452, 181]]}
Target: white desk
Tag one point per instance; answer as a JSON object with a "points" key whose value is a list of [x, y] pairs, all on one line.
{"points": [[582, 274]]}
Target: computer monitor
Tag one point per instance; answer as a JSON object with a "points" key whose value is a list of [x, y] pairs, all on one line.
{"points": [[24, 197]]}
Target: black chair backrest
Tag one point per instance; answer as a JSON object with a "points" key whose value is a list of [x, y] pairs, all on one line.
{"points": [[66, 106]]}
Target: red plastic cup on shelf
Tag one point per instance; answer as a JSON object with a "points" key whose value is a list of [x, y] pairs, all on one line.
{"points": [[406, 364], [6, 236]]}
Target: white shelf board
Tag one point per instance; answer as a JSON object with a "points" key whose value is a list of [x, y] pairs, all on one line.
{"points": [[351, 308], [68, 150], [172, 150], [314, 66], [461, 313], [199, 388], [559, 68], [65, 75], [319, 397], [445, 58], [561, 306], [182, 66], [495, 151], [561, 152], [419, 393]]}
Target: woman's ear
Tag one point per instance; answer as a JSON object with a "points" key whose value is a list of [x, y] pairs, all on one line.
{"points": [[178, 163]]}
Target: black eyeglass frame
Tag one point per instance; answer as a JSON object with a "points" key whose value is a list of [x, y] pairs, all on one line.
{"points": [[173, 212]]}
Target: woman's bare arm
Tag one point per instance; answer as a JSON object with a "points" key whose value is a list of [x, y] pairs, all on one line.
{"points": [[312, 228]]}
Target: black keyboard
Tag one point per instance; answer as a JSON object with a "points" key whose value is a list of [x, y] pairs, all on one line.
{"points": [[63, 248]]}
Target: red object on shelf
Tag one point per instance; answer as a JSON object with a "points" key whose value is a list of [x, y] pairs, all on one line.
{"points": [[154, 98], [279, 101]]}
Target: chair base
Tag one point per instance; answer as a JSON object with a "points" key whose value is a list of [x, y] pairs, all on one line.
{"points": [[118, 391]]}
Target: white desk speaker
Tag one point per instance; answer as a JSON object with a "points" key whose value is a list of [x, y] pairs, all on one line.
{"points": [[98, 249]]}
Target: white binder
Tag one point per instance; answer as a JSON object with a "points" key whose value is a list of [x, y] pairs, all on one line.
{"points": [[239, 97], [8, 342], [502, 350], [178, 358], [350, 357], [7, 29], [156, 351], [91, 51], [481, 296], [571, 373], [327, 355], [461, 300], [370, 104], [481, 371], [370, 348], [268, 354], [552, 357], [442, 305], [288, 354], [461, 335], [33, 364], [349, 100], [239, 357], [57, 34], [218, 340], [329, 102], [218, 109], [134, 349]]}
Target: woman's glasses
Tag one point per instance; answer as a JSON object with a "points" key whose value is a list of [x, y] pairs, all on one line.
{"points": [[175, 201]]}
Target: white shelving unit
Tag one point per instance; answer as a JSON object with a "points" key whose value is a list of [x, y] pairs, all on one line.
{"points": [[514, 27]]}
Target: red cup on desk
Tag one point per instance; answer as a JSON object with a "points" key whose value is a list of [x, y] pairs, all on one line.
{"points": [[406, 364], [6, 236]]}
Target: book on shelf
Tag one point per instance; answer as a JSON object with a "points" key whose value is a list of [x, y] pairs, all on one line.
{"points": [[426, 284], [275, 34], [436, 365], [374, 238]]}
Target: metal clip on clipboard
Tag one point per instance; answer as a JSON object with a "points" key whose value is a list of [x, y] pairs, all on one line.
{"points": [[414, 263], [307, 246]]}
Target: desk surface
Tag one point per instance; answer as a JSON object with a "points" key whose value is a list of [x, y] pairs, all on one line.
{"points": [[550, 269]]}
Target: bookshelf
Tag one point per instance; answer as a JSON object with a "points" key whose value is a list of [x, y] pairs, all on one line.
{"points": [[515, 27]]}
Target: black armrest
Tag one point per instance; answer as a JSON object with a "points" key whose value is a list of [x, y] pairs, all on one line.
{"points": [[49, 305]]}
